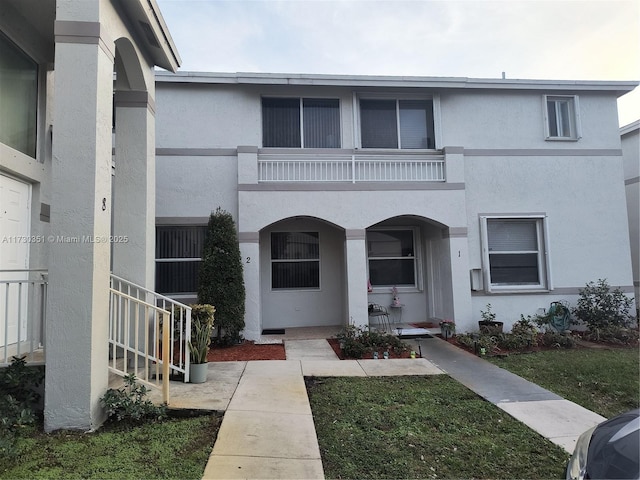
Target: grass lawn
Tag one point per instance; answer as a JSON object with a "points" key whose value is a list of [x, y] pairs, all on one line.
{"points": [[177, 448], [606, 381], [422, 427]]}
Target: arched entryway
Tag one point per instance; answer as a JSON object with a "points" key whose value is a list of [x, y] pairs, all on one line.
{"points": [[302, 274]]}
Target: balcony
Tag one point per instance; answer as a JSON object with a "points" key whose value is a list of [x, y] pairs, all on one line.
{"points": [[300, 167]]}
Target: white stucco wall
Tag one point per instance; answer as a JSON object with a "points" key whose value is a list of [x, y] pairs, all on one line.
{"points": [[513, 170], [194, 186], [631, 155], [510, 119]]}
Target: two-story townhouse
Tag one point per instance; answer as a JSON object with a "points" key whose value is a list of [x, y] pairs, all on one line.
{"points": [[77, 166], [458, 192], [630, 138]]}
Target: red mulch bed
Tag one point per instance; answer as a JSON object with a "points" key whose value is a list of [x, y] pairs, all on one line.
{"points": [[246, 351], [335, 344]]}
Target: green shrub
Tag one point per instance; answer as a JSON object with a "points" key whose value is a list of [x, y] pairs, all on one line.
{"points": [[524, 326], [613, 334], [476, 342], [600, 306], [357, 341], [19, 400], [221, 280], [514, 341], [128, 403], [557, 339]]}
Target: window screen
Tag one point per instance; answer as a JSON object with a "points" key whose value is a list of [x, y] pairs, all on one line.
{"points": [[178, 258], [295, 260]]}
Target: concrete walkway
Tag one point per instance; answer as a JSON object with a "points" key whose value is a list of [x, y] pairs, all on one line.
{"points": [[268, 429], [553, 417]]}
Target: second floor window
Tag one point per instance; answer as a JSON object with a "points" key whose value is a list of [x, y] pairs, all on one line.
{"points": [[19, 94], [404, 124], [300, 123], [562, 121]]}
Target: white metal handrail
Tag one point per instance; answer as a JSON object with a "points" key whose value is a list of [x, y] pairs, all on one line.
{"points": [[359, 167], [23, 314], [179, 321], [136, 335]]}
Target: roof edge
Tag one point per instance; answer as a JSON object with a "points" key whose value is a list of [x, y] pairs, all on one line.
{"points": [[631, 127], [620, 87]]}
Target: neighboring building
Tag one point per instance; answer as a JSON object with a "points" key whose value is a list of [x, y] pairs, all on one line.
{"points": [[58, 61], [630, 137], [459, 192]]}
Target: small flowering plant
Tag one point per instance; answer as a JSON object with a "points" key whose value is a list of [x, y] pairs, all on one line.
{"points": [[448, 325]]}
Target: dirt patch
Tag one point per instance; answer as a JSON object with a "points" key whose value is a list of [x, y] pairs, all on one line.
{"points": [[246, 351]]}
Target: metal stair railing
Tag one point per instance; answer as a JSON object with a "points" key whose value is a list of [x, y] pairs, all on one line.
{"points": [[127, 300]]}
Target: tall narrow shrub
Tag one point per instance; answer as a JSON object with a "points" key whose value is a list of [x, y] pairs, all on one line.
{"points": [[221, 280]]}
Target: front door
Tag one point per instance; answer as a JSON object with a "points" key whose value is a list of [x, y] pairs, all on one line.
{"points": [[15, 199]]}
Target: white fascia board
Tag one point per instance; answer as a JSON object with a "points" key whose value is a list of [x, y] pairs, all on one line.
{"points": [[359, 81], [631, 127]]}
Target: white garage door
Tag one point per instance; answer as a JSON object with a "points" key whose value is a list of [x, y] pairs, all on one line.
{"points": [[15, 199]]}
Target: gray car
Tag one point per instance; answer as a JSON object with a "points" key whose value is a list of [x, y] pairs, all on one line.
{"points": [[610, 450]]}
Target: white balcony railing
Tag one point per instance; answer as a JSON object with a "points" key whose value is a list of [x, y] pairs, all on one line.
{"points": [[23, 314], [360, 167]]}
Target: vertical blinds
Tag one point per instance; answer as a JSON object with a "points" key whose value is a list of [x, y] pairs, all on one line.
{"points": [[281, 123], [321, 119], [378, 124]]}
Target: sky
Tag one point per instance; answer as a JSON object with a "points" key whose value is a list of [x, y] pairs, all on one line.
{"points": [[525, 39]]}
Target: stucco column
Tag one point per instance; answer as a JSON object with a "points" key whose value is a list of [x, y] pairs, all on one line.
{"points": [[134, 192], [247, 165], [460, 278], [250, 251], [78, 301], [356, 256]]}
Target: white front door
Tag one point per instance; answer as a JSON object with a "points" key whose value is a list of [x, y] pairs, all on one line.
{"points": [[15, 199]]}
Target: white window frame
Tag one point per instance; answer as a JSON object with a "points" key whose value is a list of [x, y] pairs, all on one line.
{"points": [[417, 259], [435, 99], [318, 260], [575, 127], [544, 271], [301, 113]]}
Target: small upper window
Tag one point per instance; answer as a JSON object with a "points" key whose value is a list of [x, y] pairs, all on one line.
{"points": [[19, 94], [301, 122], [562, 122], [404, 124]]}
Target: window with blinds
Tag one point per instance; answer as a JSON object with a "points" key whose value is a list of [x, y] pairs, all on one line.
{"points": [[401, 124], [178, 258], [295, 260], [300, 122], [19, 93], [515, 253], [391, 257]]}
